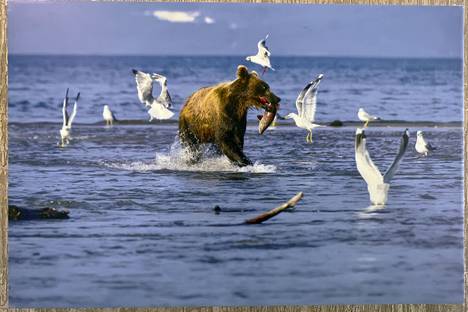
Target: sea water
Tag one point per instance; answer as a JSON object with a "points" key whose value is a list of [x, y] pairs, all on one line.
{"points": [[142, 229]]}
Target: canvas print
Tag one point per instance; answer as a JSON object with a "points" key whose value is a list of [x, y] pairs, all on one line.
{"points": [[195, 154]]}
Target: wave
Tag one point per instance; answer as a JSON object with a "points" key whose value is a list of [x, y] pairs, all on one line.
{"points": [[178, 159]]}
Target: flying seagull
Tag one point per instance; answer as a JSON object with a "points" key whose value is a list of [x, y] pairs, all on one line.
{"points": [[159, 107], [306, 104], [377, 185], [164, 97], [67, 121], [262, 57], [108, 116], [422, 147]]}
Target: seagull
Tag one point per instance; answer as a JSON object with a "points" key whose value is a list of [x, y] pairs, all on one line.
{"points": [[306, 104], [262, 57], [164, 97], [422, 147], [159, 107], [377, 185], [67, 121], [364, 116], [108, 115]]}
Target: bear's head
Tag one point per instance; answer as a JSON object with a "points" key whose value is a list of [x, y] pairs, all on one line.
{"points": [[256, 93]]}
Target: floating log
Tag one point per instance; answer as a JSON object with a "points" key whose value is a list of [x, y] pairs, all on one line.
{"points": [[16, 213], [273, 212], [336, 123]]}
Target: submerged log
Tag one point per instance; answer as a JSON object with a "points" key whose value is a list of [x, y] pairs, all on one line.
{"points": [[336, 123], [273, 212], [16, 213]]}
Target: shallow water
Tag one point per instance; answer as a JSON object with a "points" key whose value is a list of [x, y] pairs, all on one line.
{"points": [[143, 231]]}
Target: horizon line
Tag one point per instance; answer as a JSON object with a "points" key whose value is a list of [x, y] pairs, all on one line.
{"points": [[238, 55]]}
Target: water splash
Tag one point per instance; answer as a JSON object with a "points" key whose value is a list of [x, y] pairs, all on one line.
{"points": [[178, 159]]}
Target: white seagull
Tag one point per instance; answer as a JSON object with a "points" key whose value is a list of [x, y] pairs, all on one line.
{"points": [[67, 121], [306, 104], [159, 107], [364, 116], [421, 146], [108, 116], [262, 57], [377, 185], [164, 97]]}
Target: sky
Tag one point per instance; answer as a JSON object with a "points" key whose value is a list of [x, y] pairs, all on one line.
{"points": [[109, 28]]}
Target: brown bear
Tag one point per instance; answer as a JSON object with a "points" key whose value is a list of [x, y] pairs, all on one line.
{"points": [[218, 115]]}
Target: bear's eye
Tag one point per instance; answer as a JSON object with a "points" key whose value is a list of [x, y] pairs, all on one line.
{"points": [[262, 88]]}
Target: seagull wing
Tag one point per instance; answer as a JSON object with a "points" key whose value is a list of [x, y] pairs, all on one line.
{"points": [[366, 167], [144, 86], [156, 76], [366, 115], [430, 147], [309, 105], [113, 117], [308, 94], [164, 97], [262, 48], [396, 162], [167, 99], [64, 110], [300, 99], [72, 117]]}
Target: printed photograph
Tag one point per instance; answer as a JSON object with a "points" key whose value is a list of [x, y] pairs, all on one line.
{"points": [[234, 154]]}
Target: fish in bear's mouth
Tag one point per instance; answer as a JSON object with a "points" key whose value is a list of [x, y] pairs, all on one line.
{"points": [[268, 115]]}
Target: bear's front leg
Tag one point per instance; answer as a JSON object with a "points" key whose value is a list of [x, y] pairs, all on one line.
{"points": [[235, 154]]}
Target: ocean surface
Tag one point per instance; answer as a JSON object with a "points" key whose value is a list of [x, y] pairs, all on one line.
{"points": [[142, 229], [396, 89]]}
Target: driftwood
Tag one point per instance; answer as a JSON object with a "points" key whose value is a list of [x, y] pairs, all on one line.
{"points": [[273, 212], [16, 213]]}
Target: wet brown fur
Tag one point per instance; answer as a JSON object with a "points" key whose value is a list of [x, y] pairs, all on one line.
{"points": [[218, 115]]}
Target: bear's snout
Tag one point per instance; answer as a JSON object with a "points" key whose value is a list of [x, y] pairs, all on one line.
{"points": [[273, 98]]}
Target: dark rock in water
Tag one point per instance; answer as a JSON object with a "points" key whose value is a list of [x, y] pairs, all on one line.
{"points": [[336, 123], [217, 209], [16, 213]]}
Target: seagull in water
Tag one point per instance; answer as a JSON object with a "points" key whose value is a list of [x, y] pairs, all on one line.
{"points": [[262, 57], [377, 185], [108, 116], [67, 121], [422, 147], [159, 107], [306, 104], [364, 116]]}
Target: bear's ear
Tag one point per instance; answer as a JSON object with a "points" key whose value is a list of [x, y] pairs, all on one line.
{"points": [[242, 72], [254, 73]]}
